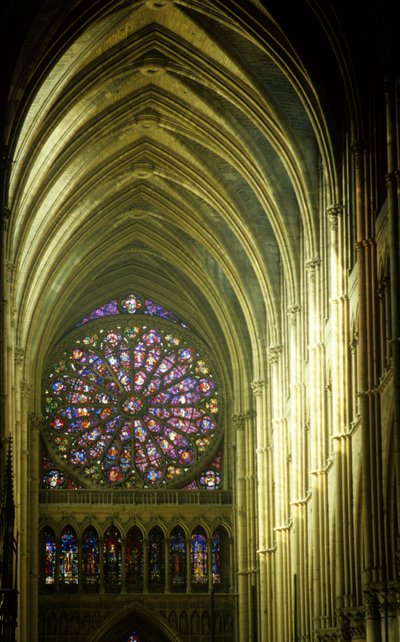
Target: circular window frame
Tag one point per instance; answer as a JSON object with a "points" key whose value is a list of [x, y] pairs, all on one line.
{"points": [[118, 323]]}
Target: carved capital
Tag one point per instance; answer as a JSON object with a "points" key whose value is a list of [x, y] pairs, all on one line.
{"points": [[358, 149], [352, 623], [19, 354], [273, 353], [258, 387], [26, 388], [312, 265], [35, 421], [5, 217], [240, 419], [292, 312], [333, 213], [9, 267], [371, 603]]}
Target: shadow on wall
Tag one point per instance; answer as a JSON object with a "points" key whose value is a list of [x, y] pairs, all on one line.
{"points": [[145, 625]]}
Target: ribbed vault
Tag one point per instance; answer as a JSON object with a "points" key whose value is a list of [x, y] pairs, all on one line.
{"points": [[169, 148]]}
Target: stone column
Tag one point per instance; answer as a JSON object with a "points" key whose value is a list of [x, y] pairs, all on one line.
{"points": [[33, 538], [241, 529], [23, 506], [299, 489], [319, 449], [263, 498], [393, 202], [365, 390], [282, 520]]}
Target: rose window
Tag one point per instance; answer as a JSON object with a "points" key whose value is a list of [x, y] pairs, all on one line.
{"points": [[134, 406]]}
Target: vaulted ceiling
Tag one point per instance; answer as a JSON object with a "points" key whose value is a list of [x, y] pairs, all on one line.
{"points": [[169, 148]]}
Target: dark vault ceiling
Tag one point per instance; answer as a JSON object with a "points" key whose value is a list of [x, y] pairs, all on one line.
{"points": [[168, 148]]}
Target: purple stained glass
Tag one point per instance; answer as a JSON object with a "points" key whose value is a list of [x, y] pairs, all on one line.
{"points": [[104, 311], [132, 406], [210, 478], [130, 304], [53, 478]]}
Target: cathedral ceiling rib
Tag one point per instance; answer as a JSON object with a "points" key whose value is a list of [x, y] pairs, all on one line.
{"points": [[166, 128]]}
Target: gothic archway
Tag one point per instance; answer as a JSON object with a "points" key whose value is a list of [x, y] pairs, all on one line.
{"points": [[149, 627]]}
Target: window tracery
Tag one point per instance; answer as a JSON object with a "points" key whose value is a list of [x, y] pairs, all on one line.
{"points": [[67, 559], [135, 406]]}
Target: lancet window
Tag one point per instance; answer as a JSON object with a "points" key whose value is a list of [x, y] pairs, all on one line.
{"points": [[197, 560], [90, 558], [68, 557]]}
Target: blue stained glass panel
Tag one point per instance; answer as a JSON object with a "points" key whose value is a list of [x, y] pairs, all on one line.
{"points": [[49, 570], [68, 556], [216, 557]]}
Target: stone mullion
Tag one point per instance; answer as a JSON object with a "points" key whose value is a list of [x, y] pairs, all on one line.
{"points": [[264, 515], [241, 533]]}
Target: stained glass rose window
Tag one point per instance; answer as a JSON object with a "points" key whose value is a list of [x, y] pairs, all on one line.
{"points": [[135, 405]]}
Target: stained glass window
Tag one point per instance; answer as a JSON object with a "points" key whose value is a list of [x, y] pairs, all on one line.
{"points": [[90, 558], [216, 557], [112, 558], [49, 562], [134, 406], [177, 558], [134, 637], [134, 559], [199, 558], [156, 559], [131, 304], [210, 478], [53, 478], [68, 557]]}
